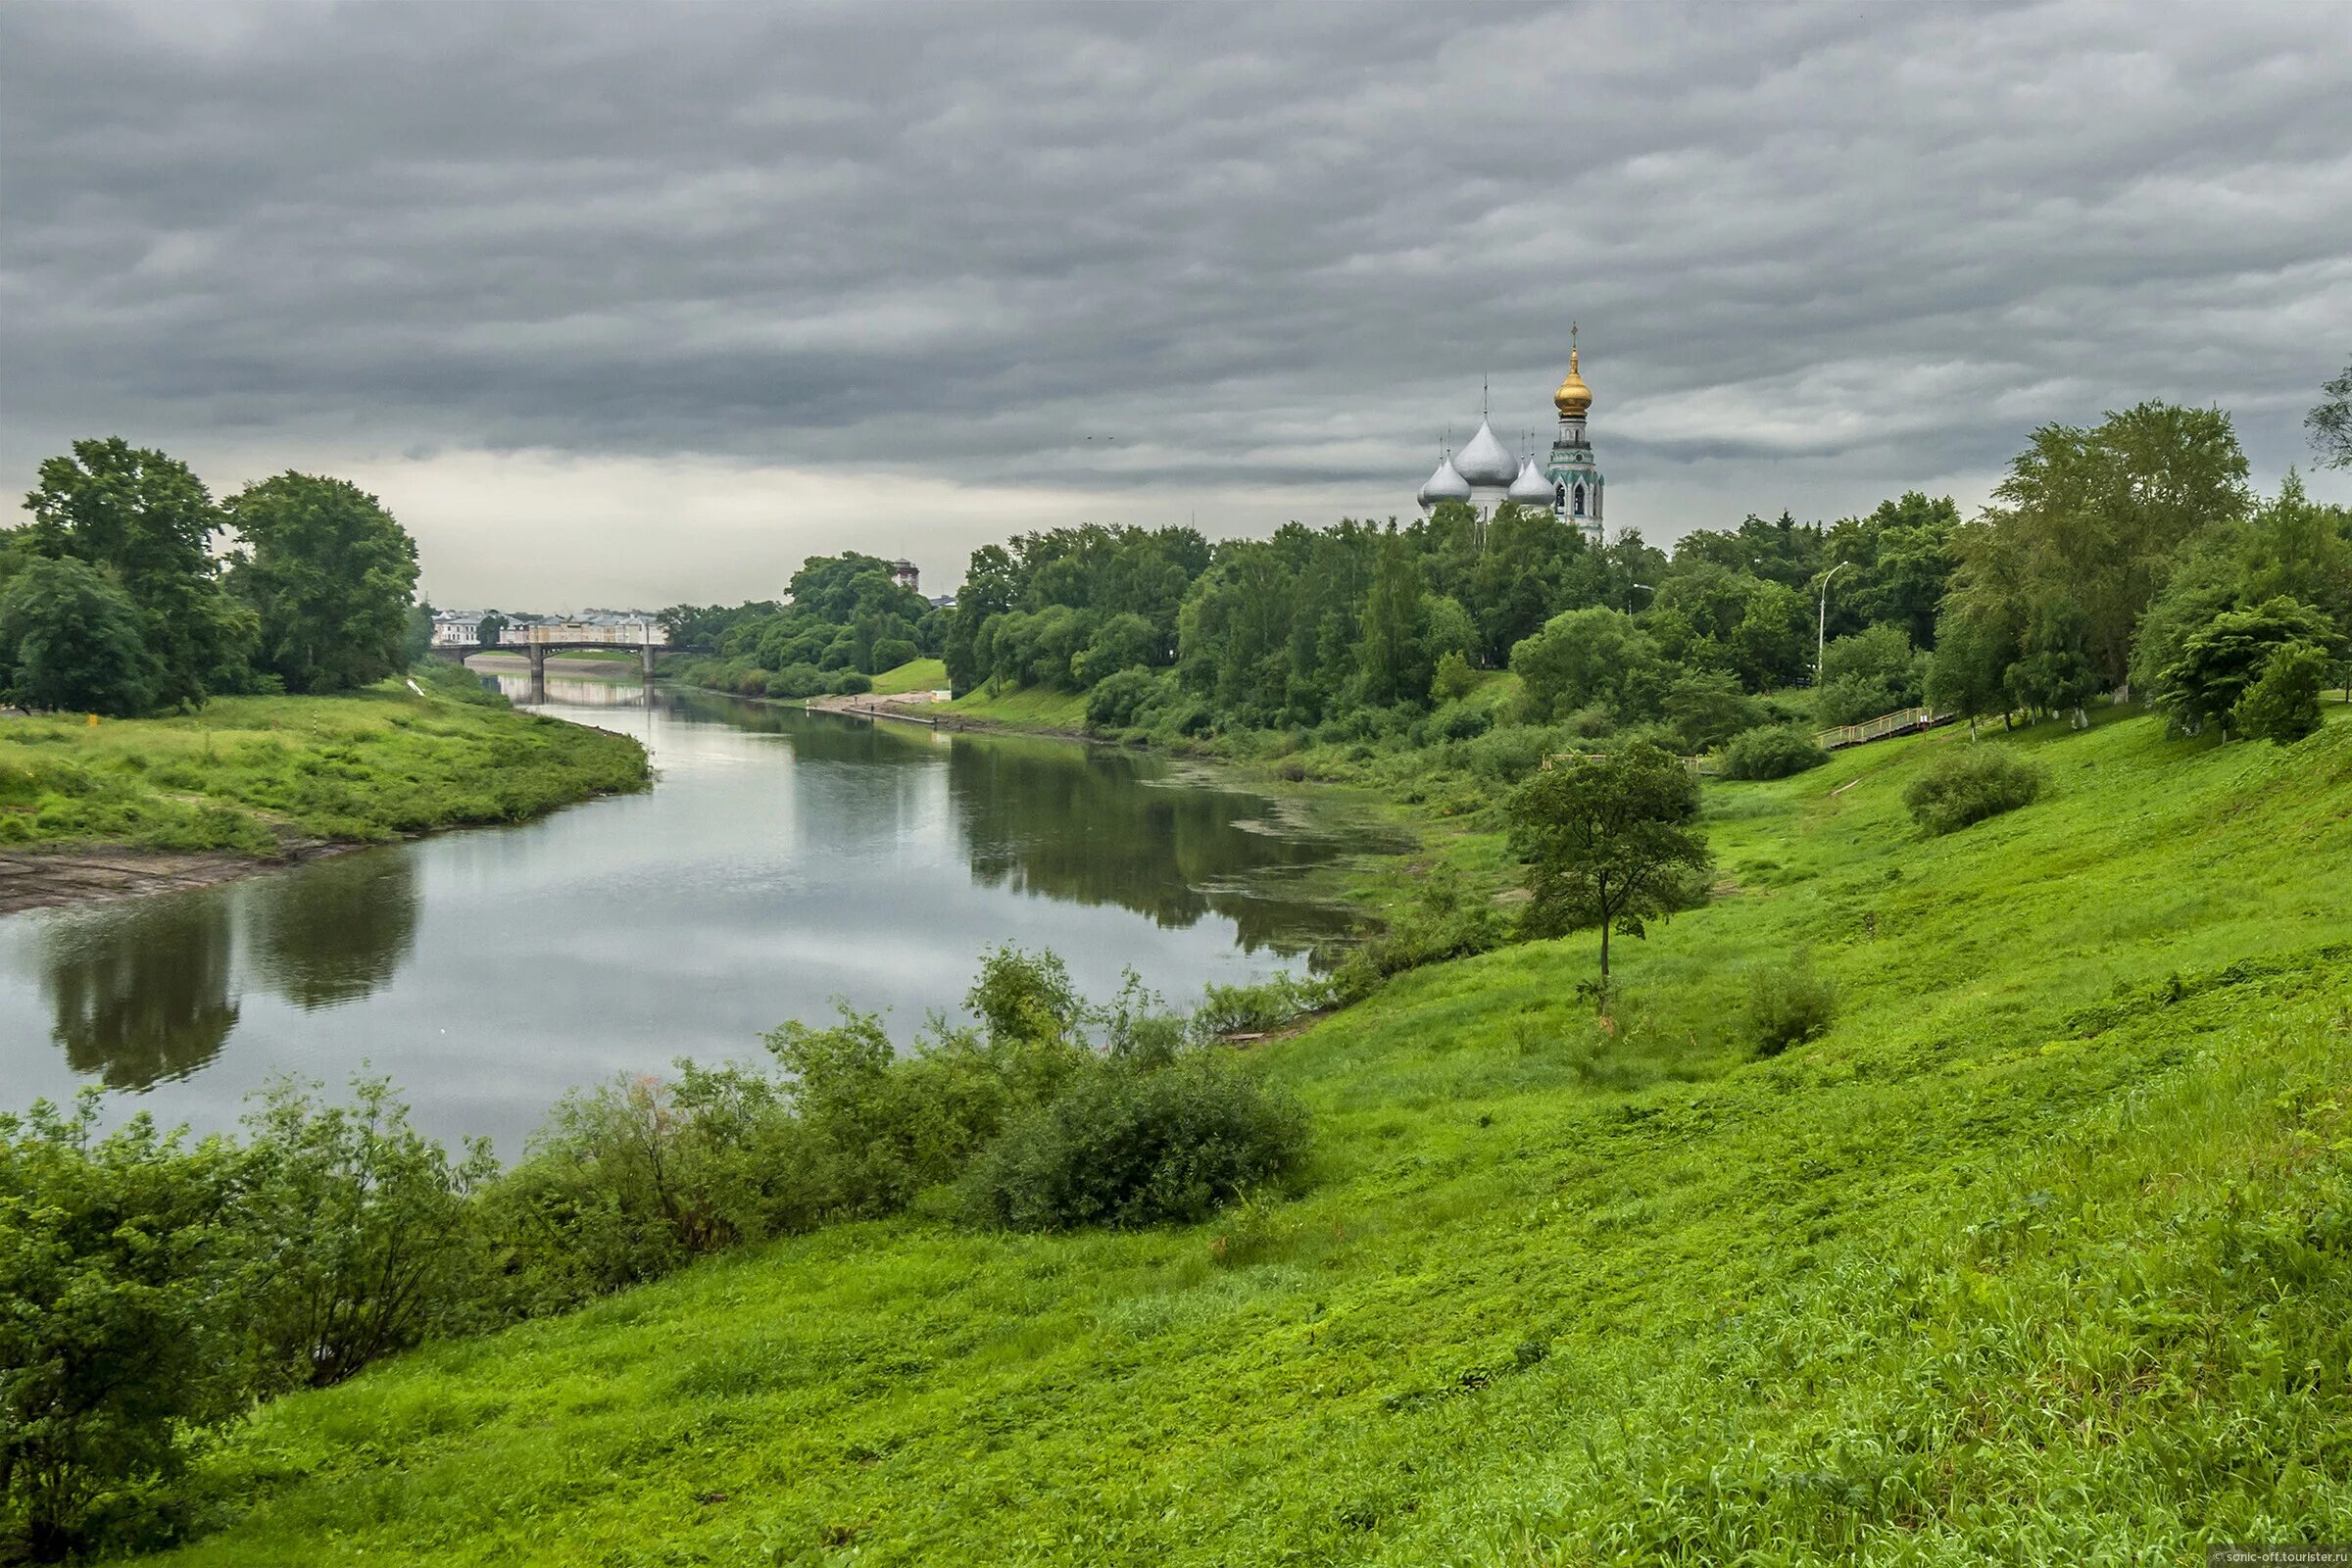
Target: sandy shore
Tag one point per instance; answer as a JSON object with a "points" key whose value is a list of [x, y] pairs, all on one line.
{"points": [[82, 873]]}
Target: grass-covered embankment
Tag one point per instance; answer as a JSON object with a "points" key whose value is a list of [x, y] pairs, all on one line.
{"points": [[2041, 1255], [262, 776]]}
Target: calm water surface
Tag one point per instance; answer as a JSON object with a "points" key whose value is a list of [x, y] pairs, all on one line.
{"points": [[783, 859]]}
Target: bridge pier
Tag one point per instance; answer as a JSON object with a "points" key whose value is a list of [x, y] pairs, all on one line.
{"points": [[647, 654], [538, 674]]}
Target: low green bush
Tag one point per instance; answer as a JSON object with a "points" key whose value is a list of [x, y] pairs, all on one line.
{"points": [[1971, 783], [1268, 1004], [1126, 1145], [1788, 1004], [1772, 752]]}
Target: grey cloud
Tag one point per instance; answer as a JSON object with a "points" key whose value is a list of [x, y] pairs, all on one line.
{"points": [[1263, 247]]}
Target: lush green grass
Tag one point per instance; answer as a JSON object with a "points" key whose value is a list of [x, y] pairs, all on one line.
{"points": [[1027, 707], [255, 774], [2044, 1253], [915, 675]]}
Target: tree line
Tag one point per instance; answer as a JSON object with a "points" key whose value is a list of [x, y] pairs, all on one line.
{"points": [[131, 590], [843, 621]]}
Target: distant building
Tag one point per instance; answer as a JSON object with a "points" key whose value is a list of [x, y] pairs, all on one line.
{"points": [[1483, 475], [458, 628], [903, 572]]}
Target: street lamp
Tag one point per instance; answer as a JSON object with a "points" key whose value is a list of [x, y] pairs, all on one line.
{"points": [[1820, 630]]}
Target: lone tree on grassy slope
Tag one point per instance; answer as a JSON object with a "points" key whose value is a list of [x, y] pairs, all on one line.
{"points": [[1608, 842]]}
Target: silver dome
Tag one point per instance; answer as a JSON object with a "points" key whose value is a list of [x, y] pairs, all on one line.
{"points": [[1446, 484], [1531, 488], [1484, 461]]}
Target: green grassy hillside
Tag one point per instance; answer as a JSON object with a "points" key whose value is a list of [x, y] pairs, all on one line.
{"points": [[2044, 1253], [915, 675], [255, 774], [1028, 707]]}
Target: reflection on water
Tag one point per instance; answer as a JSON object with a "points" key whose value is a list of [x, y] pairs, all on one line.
{"points": [[783, 860], [334, 933], [138, 991]]}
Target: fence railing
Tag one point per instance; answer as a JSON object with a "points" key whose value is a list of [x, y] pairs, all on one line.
{"points": [[1903, 721]]}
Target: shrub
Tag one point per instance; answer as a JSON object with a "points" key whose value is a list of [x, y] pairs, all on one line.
{"points": [[116, 1262], [1449, 919], [1508, 756], [1119, 701], [1776, 752], [1226, 1010], [1458, 721], [851, 683], [1787, 1005], [1128, 1145], [891, 652], [1969, 784], [2283, 705], [1453, 681], [798, 680], [362, 1238]]}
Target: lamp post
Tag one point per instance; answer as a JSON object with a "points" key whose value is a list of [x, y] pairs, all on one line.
{"points": [[1820, 630]]}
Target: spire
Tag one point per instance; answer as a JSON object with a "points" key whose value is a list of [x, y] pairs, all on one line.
{"points": [[1574, 397]]}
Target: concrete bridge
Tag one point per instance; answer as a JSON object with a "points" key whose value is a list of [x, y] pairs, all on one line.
{"points": [[537, 642]]}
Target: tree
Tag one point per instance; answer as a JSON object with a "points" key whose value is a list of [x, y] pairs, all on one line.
{"points": [[2096, 518], [2283, 705], [330, 574], [1965, 673], [1870, 672], [70, 638], [2226, 656], [1590, 659], [1391, 660], [116, 1257], [1607, 842], [145, 516], [493, 626], [416, 636], [2330, 423], [1707, 708]]}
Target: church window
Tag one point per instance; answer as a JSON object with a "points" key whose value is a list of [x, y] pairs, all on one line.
{"points": [[1580, 500], [1560, 496]]}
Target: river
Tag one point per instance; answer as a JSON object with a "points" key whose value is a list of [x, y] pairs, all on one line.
{"points": [[783, 859]]}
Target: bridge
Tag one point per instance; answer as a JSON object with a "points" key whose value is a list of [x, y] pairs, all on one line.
{"points": [[536, 642]]}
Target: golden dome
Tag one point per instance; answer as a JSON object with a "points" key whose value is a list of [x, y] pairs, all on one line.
{"points": [[1574, 397]]}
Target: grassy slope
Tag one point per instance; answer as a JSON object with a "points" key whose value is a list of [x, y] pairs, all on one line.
{"points": [[251, 773], [2009, 1266], [1031, 706], [915, 675]]}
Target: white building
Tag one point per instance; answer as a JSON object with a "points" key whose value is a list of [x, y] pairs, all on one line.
{"points": [[1483, 475]]}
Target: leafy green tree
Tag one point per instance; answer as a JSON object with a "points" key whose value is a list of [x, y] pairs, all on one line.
{"points": [[493, 626], [2226, 656], [2054, 669], [117, 1327], [416, 637], [1392, 663], [2284, 704], [70, 639], [1455, 679], [1872, 672], [1122, 642], [2096, 518], [1900, 565], [2331, 422], [1707, 708], [1590, 659], [143, 516], [1966, 674], [1608, 842], [330, 575]]}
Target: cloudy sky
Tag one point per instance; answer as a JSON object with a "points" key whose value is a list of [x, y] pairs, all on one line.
{"points": [[634, 303]]}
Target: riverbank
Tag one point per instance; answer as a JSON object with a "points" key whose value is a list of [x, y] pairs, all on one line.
{"points": [[135, 806], [2041, 1214]]}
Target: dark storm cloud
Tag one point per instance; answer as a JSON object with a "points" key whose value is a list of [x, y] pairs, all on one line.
{"points": [[1262, 246]]}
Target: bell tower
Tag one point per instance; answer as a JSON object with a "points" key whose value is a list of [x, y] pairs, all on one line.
{"points": [[1575, 477]]}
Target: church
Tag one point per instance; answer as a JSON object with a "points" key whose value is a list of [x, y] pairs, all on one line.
{"points": [[1485, 475]]}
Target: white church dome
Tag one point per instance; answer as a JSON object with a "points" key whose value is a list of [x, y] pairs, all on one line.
{"points": [[1446, 484], [1531, 488], [1484, 461]]}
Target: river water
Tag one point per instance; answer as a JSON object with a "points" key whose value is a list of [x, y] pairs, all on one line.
{"points": [[782, 861]]}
